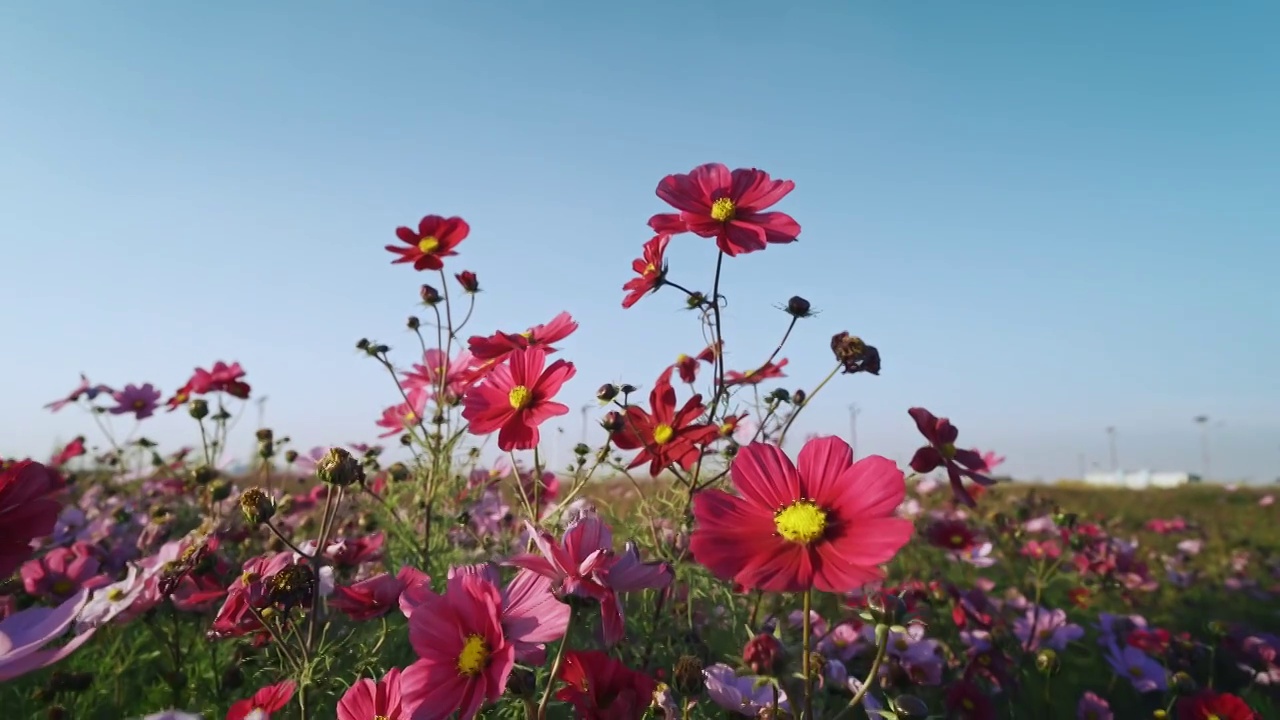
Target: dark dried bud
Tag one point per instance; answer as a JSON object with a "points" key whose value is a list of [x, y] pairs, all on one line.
{"points": [[198, 408], [798, 307], [817, 665], [1183, 683], [266, 450], [522, 684], [290, 456], [607, 392], [798, 397], [581, 450], [338, 467], [291, 586], [406, 439], [413, 322], [398, 472], [264, 435], [612, 422], [731, 449], [363, 344], [764, 655], [257, 506], [780, 395], [219, 490], [1047, 662], [430, 296], [687, 675], [627, 389], [467, 280], [854, 354], [910, 707]]}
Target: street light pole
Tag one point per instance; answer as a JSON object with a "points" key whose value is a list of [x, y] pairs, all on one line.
{"points": [[1111, 441], [1203, 422], [585, 409], [854, 411]]}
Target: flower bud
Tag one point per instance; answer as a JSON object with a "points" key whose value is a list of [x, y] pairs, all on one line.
{"points": [[399, 472], [203, 474], [522, 684], [886, 608], [910, 707], [612, 422], [292, 586], [338, 467], [798, 307], [581, 450], [413, 323], [430, 296], [1047, 662], [198, 408], [798, 397], [687, 675], [257, 506], [607, 392], [467, 280], [854, 354], [1183, 683], [627, 389], [290, 456], [781, 395], [764, 655], [264, 435], [219, 490]]}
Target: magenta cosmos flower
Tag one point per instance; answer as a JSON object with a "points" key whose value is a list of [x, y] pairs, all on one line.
{"points": [[826, 524], [716, 203], [515, 398], [465, 657], [372, 699], [942, 452], [139, 400]]}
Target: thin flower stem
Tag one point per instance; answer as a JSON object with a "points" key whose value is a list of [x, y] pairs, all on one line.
{"points": [[448, 312], [806, 670], [286, 540], [555, 670], [679, 287], [782, 437], [882, 648], [783, 341]]}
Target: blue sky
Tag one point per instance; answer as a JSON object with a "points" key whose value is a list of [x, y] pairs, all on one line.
{"points": [[1049, 218]]}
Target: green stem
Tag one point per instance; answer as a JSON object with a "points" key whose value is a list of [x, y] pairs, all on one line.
{"points": [[555, 670], [882, 649], [806, 660], [782, 437]]}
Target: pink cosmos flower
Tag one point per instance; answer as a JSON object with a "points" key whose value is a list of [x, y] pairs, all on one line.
{"points": [[374, 699], [398, 418], [515, 398], [84, 389], [496, 347], [716, 203], [584, 564], [826, 524], [464, 655], [28, 509], [59, 573], [24, 633], [377, 595], [458, 374]]}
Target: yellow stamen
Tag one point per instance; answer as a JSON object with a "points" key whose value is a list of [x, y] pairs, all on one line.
{"points": [[957, 540], [519, 397], [428, 245], [948, 450], [801, 522], [722, 210], [115, 594], [474, 655], [662, 434]]}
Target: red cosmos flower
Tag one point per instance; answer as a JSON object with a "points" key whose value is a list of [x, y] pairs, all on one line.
{"points": [[370, 700], [652, 269], [1037, 550], [601, 688], [220, 378], [435, 239], [28, 509], [73, 449], [767, 371], [827, 524], [377, 595], [515, 398], [664, 436], [953, 535], [497, 346], [1210, 705], [269, 699], [716, 203], [941, 452]]}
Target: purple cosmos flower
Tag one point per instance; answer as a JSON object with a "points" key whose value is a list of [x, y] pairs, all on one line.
{"points": [[84, 389], [1144, 671], [141, 401], [740, 694], [1046, 629], [1092, 707], [24, 633]]}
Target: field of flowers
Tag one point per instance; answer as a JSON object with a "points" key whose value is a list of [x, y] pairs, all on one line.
{"points": [[689, 568]]}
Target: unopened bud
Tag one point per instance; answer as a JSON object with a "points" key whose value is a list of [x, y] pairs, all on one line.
{"points": [[696, 300], [607, 392], [764, 655], [467, 280], [627, 388], [398, 472], [798, 397], [1183, 683], [338, 467], [413, 322], [219, 490], [257, 506], [290, 456], [264, 435], [798, 307], [910, 707], [203, 475], [522, 684], [612, 422], [780, 395], [581, 450], [1047, 662], [687, 675], [430, 296], [198, 408]]}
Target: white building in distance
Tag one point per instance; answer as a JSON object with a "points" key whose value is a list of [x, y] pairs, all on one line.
{"points": [[1140, 480]]}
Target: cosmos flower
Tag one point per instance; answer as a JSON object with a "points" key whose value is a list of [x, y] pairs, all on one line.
{"points": [[826, 524], [516, 397], [139, 400], [268, 700], [717, 203], [942, 452], [1210, 705], [84, 389], [601, 688], [370, 699], [434, 240], [651, 269], [28, 509], [24, 633], [663, 435]]}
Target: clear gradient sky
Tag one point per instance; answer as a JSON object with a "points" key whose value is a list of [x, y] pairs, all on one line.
{"points": [[1050, 218]]}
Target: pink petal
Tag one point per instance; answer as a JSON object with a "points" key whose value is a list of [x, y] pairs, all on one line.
{"points": [[765, 476], [821, 464]]}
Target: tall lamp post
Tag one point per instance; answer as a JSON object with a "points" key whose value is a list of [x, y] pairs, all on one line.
{"points": [[585, 409], [1203, 422], [854, 411], [1111, 442]]}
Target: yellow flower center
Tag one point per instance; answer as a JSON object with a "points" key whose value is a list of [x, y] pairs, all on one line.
{"points": [[957, 540], [662, 434], [1135, 671], [428, 245], [473, 656], [115, 594], [681, 358], [948, 450], [722, 210], [63, 586], [527, 334], [968, 704], [519, 397], [380, 717], [650, 269], [139, 404], [727, 429], [801, 522]]}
